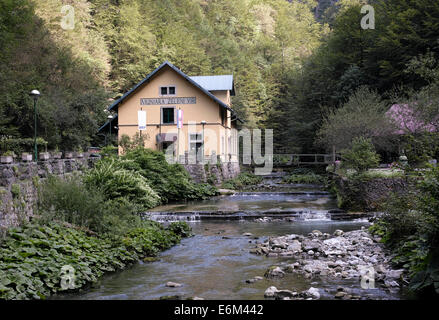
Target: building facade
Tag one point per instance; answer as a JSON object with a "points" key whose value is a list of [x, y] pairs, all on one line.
{"points": [[185, 116]]}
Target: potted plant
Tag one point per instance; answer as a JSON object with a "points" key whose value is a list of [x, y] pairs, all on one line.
{"points": [[26, 157], [44, 156], [57, 154], [7, 157]]}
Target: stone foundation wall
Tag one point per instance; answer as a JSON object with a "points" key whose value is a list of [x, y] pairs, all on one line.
{"points": [[18, 185], [215, 174]]}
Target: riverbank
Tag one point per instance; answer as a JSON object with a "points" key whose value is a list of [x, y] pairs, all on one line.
{"points": [[342, 255], [38, 260]]}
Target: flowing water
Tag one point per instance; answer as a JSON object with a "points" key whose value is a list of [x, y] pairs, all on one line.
{"points": [[215, 263]]}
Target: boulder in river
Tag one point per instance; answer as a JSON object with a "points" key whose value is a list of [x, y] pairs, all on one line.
{"points": [[270, 292], [274, 271], [171, 284], [313, 293]]}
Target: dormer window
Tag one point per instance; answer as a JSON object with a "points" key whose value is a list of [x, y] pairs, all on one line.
{"points": [[167, 91]]}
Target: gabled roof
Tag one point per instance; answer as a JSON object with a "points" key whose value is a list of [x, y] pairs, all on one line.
{"points": [[216, 83], [149, 77]]}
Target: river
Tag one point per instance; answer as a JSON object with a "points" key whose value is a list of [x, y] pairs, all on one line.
{"points": [[215, 263]]}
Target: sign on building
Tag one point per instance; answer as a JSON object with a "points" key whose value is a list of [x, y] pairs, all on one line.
{"points": [[142, 120], [179, 118]]}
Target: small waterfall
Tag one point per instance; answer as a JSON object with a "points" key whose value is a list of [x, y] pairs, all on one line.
{"points": [[172, 217], [314, 215]]}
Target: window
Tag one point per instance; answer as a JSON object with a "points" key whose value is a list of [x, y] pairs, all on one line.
{"points": [[168, 91], [168, 115], [196, 146], [223, 116]]}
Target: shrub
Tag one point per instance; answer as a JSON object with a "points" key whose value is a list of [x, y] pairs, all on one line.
{"points": [[362, 155], [308, 178], [121, 184], [170, 181], [68, 200], [421, 147], [242, 180], [411, 228], [180, 228]]}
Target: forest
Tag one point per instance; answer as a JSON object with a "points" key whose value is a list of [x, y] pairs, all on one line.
{"points": [[296, 63]]}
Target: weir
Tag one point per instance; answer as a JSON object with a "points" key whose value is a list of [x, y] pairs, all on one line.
{"points": [[296, 202]]}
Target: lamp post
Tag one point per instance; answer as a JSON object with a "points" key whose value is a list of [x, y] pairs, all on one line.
{"points": [[110, 118], [203, 123], [35, 94]]}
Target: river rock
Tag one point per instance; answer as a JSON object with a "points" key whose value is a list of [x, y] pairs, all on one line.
{"points": [[294, 246], [317, 233], [270, 292], [313, 293], [247, 234], [273, 272], [171, 284], [394, 274], [347, 255], [282, 294], [308, 245]]}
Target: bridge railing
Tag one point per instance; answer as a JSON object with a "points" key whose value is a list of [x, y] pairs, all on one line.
{"points": [[298, 159]]}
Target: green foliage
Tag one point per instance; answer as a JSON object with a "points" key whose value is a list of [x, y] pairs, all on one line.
{"points": [[362, 156], [128, 143], [243, 180], [38, 54], [19, 146], [109, 151], [170, 181], [419, 148], [15, 190], [31, 257], [180, 228], [363, 115], [121, 184], [308, 178], [411, 228]]}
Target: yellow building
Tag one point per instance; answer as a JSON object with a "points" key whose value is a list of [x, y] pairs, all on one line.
{"points": [[209, 124]]}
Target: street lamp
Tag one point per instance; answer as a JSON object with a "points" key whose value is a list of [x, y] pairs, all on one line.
{"points": [[203, 123], [35, 94], [110, 117]]}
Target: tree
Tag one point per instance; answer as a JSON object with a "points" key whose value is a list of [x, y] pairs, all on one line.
{"points": [[363, 115], [362, 155]]}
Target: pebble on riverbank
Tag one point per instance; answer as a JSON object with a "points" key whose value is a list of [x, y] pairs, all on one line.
{"points": [[344, 255]]}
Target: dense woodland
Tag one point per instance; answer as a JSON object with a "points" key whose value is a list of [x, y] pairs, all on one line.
{"points": [[295, 62]]}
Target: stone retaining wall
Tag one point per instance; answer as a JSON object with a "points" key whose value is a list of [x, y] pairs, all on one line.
{"points": [[211, 173], [18, 185], [368, 195]]}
